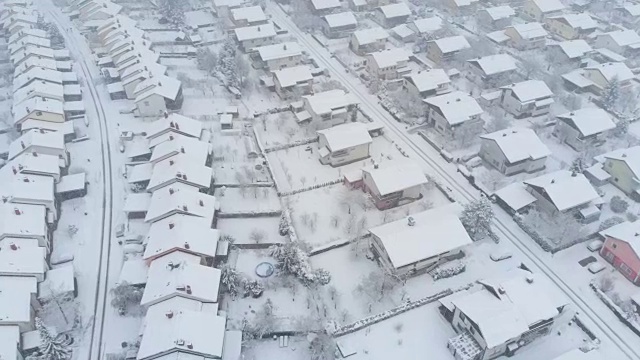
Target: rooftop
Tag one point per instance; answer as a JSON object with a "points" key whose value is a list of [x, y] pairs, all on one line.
{"points": [[628, 232], [279, 51], [630, 156], [162, 85], [370, 36], [582, 21], [327, 101], [179, 200], [519, 144], [426, 25], [291, 76], [613, 70], [23, 261], [430, 79], [59, 281], [197, 150], [36, 104], [500, 12], [15, 298], [495, 64], [624, 38], [565, 190], [456, 107], [530, 90], [452, 44], [325, 4], [529, 30], [182, 169], [175, 123], [255, 32], [341, 19], [36, 138], [345, 136], [396, 176], [390, 57], [37, 73], [589, 121], [182, 232], [251, 14], [395, 10], [547, 6], [575, 48], [192, 281]]}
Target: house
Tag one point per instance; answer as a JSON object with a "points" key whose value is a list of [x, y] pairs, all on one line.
{"points": [[31, 52], [10, 342], [30, 190], [624, 167], [602, 75], [584, 128], [328, 108], [71, 186], [248, 16], [571, 50], [515, 150], [293, 82], [446, 49], [38, 164], [156, 95], [23, 261], [180, 200], [187, 280], [425, 26], [28, 32], [251, 37], [493, 69], [66, 128], [40, 142], [182, 233], [37, 74], [18, 302], [339, 25], [452, 111], [323, 7], [426, 83], [392, 15], [38, 109], [571, 26], [623, 42], [280, 56], [621, 248], [181, 170], [24, 221], [416, 243], [174, 124], [514, 198], [502, 316], [29, 41], [388, 64], [497, 17], [197, 151], [39, 89], [394, 184], [539, 10], [403, 33], [344, 144], [132, 76], [136, 205], [628, 15], [198, 19], [368, 40], [527, 98], [223, 7], [59, 283], [526, 36], [565, 192]]}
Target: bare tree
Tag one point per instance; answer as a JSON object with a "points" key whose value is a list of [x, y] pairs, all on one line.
{"points": [[257, 235]]}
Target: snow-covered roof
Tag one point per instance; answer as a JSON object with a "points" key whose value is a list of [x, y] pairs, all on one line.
{"points": [[429, 79], [341, 19], [456, 107], [251, 14], [433, 232], [291, 76], [398, 176], [229, 3], [613, 70], [147, 67], [39, 88], [564, 189], [196, 334], [51, 140], [632, 9], [71, 182], [279, 51], [627, 232], [515, 195], [163, 85], [630, 156], [452, 44], [179, 200], [41, 164], [577, 354], [58, 281], [495, 64], [198, 18], [519, 144], [624, 38], [582, 21], [389, 57], [426, 25], [29, 40], [589, 121], [575, 48], [529, 90], [196, 150], [23, 261], [346, 136], [108, 8], [529, 30], [37, 74], [255, 32], [175, 123], [500, 12], [138, 173], [325, 4], [10, 342], [136, 202], [395, 10], [506, 307], [180, 169], [36, 104], [22, 220], [189, 234], [15, 298], [28, 32], [371, 35], [134, 271], [29, 189], [547, 6], [327, 101], [498, 37], [192, 281]]}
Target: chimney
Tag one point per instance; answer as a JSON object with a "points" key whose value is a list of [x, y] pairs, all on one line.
{"points": [[26, 179], [180, 287], [22, 144], [182, 149], [171, 191], [530, 279], [170, 265], [13, 246], [188, 288], [189, 345], [169, 314], [411, 221], [17, 211], [180, 342], [35, 154], [501, 290], [201, 202], [170, 137], [504, 134], [624, 155], [171, 225], [184, 176], [185, 208], [553, 181], [166, 114], [177, 126], [171, 162], [284, 47], [186, 245], [258, 28], [14, 170]]}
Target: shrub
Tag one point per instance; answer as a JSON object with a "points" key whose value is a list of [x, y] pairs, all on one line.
{"points": [[614, 220], [618, 205], [632, 217]]}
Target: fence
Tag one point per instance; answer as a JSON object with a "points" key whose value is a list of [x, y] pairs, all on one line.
{"points": [[290, 145], [317, 186], [633, 325]]}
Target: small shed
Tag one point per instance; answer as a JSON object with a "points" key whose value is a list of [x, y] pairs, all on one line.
{"points": [[136, 205], [59, 282], [134, 272], [71, 186], [226, 121], [116, 91], [514, 198]]}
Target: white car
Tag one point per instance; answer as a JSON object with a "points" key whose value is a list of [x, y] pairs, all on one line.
{"points": [[595, 245], [596, 267]]}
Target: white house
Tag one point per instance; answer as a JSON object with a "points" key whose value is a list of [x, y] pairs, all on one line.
{"points": [[38, 164], [38, 108], [526, 36], [223, 7], [181, 170], [40, 142], [198, 151], [293, 82], [39, 89], [18, 302], [388, 64], [280, 56], [31, 52], [571, 50], [37, 74], [329, 108], [174, 123], [584, 128], [251, 37], [339, 25], [157, 95], [28, 32], [623, 42], [31, 190], [602, 75], [344, 144], [248, 16], [180, 200], [23, 261], [426, 25], [527, 98], [29, 41], [514, 150], [458, 7], [321, 7], [10, 342], [421, 241], [538, 10], [446, 48], [497, 17], [571, 26], [391, 185], [135, 74], [449, 112], [426, 83], [24, 221], [368, 40], [492, 68], [392, 15], [565, 192], [628, 14], [182, 233]]}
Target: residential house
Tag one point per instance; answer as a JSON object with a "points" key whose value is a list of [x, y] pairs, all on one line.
{"points": [[368, 40], [526, 36], [602, 75], [178, 145], [180, 170], [31, 52], [18, 302], [623, 42], [571, 50], [426, 25], [39, 89], [23, 261], [628, 14], [104, 12], [417, 243], [38, 164], [527, 98], [224, 7], [38, 109], [324, 7], [182, 233], [392, 185], [388, 64], [366, 5], [392, 15], [449, 113], [173, 124], [492, 69], [280, 56], [157, 95], [251, 37], [426, 83], [293, 82], [584, 128], [497, 17], [36, 62], [624, 167], [203, 18], [344, 144], [565, 192], [514, 150], [539, 10], [328, 108], [502, 316], [30, 190], [28, 41], [404, 33], [621, 248], [10, 341], [180, 200], [24, 221], [40, 142], [28, 32], [445, 49], [572, 26], [248, 16], [461, 7], [133, 75], [37, 74], [339, 25]]}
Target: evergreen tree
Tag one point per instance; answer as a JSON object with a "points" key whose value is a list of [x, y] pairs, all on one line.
{"points": [[476, 218], [611, 94], [577, 166], [622, 127], [52, 347]]}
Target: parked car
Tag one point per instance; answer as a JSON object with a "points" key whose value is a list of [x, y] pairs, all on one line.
{"points": [[499, 256], [595, 245], [596, 267]]}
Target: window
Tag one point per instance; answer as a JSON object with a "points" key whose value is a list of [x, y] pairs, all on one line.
{"points": [[615, 246], [615, 179], [625, 269], [462, 316]]}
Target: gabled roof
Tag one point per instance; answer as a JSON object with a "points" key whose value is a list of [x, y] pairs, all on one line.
{"points": [[425, 80], [427, 24], [530, 90], [325, 4], [589, 121], [452, 43], [22, 220], [179, 200], [291, 76], [37, 74], [519, 144], [27, 107], [196, 150], [455, 107], [279, 51], [251, 14], [627, 232], [631, 9], [371, 35], [192, 281], [580, 21], [613, 70], [495, 64], [398, 176], [630, 156], [180, 169], [529, 30], [346, 136], [574, 48], [255, 32], [52, 140], [500, 12], [547, 6], [175, 123], [189, 234], [395, 10], [624, 38], [565, 190], [29, 41], [163, 85], [341, 19], [327, 101], [38, 88], [27, 163], [389, 57], [28, 32]]}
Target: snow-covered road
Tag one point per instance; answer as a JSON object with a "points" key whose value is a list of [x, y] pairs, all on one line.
{"points": [[618, 341]]}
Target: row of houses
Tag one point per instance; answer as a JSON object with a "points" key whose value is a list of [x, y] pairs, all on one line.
{"points": [[35, 178]]}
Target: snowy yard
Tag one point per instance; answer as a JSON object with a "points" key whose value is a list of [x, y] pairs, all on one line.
{"points": [[247, 199], [241, 229]]}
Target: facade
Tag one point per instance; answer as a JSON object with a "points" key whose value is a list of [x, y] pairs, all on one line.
{"points": [[157, 95], [388, 64], [329, 108], [293, 82], [368, 40], [344, 144], [527, 98], [339, 25], [602, 75], [280, 56], [497, 17], [538, 10], [623, 42], [393, 185], [526, 36], [451, 112], [621, 249], [571, 50], [392, 15], [624, 167], [514, 150], [565, 192], [427, 83], [493, 69], [584, 128], [571, 26], [628, 15], [445, 49]]}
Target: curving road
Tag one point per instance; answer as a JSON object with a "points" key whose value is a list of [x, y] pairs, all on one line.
{"points": [[503, 225]]}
